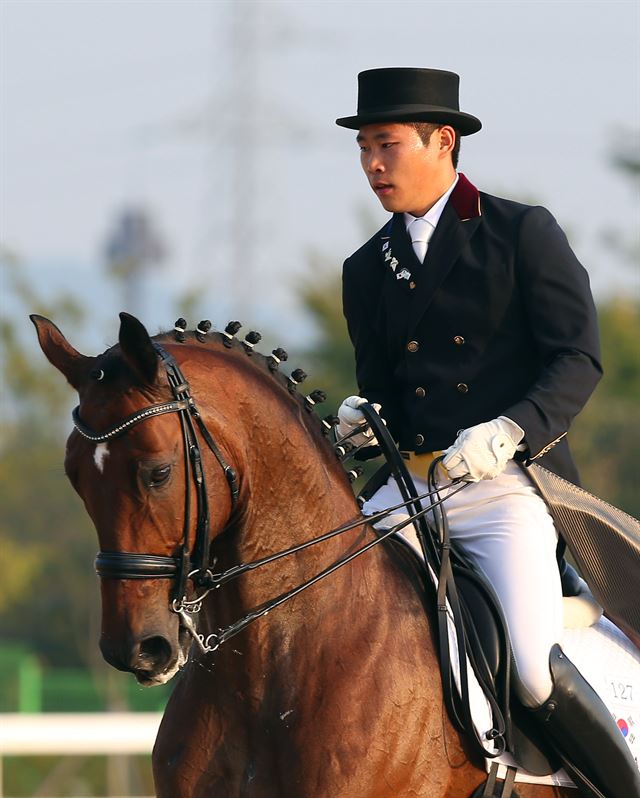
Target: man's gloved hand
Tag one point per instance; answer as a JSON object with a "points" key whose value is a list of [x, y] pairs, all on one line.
{"points": [[483, 451], [350, 416]]}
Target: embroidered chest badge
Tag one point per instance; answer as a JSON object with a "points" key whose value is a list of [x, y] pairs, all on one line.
{"points": [[392, 262]]}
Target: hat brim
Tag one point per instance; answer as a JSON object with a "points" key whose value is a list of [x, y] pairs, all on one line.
{"points": [[466, 124]]}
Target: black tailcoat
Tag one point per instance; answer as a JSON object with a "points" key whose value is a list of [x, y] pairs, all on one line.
{"points": [[498, 320]]}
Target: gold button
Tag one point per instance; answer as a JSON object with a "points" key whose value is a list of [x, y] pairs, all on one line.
{"points": [[421, 393], [413, 346], [458, 340], [462, 387], [419, 440], [412, 285]]}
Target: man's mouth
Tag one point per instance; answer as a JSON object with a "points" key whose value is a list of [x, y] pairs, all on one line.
{"points": [[382, 189]]}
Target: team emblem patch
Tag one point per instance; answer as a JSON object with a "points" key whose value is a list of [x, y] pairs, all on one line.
{"points": [[393, 262]]}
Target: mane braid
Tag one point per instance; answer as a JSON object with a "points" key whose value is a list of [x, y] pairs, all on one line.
{"points": [[215, 339]]}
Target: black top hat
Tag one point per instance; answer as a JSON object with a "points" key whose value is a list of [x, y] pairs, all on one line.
{"points": [[406, 94]]}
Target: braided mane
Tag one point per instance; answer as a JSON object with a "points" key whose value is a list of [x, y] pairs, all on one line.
{"points": [[111, 367], [268, 366]]}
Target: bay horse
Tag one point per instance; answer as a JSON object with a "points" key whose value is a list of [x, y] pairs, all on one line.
{"points": [[337, 693]]}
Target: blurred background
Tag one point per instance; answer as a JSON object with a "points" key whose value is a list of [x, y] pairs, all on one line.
{"points": [[181, 159]]}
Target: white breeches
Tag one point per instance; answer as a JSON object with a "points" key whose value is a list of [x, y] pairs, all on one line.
{"points": [[504, 526]]}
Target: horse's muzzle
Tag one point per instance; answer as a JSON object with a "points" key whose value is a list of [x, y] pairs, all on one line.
{"points": [[153, 659]]}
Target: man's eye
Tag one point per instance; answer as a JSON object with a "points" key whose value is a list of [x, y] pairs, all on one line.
{"points": [[159, 476], [388, 144]]}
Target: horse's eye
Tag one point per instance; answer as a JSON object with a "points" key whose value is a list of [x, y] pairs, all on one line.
{"points": [[159, 476]]}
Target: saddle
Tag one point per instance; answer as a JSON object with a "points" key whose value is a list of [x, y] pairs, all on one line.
{"points": [[487, 646], [489, 651], [465, 595]]}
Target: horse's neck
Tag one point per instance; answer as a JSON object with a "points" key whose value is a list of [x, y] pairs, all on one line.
{"points": [[295, 490], [292, 489]]}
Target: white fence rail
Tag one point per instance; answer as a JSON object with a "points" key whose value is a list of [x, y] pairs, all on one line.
{"points": [[77, 734]]}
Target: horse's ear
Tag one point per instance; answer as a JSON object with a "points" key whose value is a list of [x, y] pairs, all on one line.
{"points": [[137, 348], [60, 353]]}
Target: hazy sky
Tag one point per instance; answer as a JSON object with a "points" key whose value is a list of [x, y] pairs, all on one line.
{"points": [[196, 109]]}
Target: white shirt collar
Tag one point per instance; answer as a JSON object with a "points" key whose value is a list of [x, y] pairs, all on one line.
{"points": [[435, 212]]}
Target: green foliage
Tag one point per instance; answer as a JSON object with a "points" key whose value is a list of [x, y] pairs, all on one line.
{"points": [[47, 588], [69, 776], [331, 356], [606, 436]]}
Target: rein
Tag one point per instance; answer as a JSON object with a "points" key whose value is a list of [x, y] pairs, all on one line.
{"points": [[213, 641], [438, 554]]}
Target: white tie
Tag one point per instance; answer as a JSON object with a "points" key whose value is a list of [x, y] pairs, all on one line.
{"points": [[420, 231]]}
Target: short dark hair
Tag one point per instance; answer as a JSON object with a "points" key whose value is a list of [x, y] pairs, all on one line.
{"points": [[425, 131]]}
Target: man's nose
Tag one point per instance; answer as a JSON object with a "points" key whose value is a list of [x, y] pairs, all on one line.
{"points": [[374, 164]]}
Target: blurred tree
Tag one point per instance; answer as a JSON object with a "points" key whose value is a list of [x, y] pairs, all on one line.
{"points": [[330, 357], [606, 436], [134, 245], [47, 587], [625, 158]]}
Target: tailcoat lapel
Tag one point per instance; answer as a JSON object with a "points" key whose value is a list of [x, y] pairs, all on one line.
{"points": [[459, 221], [399, 289]]}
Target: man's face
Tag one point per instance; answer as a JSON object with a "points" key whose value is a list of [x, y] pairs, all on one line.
{"points": [[405, 174]]}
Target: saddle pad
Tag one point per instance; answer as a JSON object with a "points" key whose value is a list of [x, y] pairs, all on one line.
{"points": [[611, 664], [606, 658]]}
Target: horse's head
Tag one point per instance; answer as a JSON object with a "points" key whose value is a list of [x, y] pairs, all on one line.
{"points": [[131, 459]]}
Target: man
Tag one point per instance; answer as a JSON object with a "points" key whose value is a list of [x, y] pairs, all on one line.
{"points": [[475, 331]]}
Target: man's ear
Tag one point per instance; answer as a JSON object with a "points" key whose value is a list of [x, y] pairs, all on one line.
{"points": [[446, 139]]}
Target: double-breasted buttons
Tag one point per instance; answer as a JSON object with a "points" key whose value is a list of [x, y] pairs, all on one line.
{"points": [[458, 340], [413, 346], [462, 387], [419, 440], [421, 393]]}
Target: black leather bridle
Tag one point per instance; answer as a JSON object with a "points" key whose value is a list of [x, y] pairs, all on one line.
{"points": [[188, 564]]}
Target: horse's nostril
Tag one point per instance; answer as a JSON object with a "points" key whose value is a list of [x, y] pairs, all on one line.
{"points": [[153, 653]]}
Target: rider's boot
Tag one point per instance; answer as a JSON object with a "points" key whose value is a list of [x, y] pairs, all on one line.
{"points": [[585, 736]]}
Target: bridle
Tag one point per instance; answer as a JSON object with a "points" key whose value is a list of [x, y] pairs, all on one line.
{"points": [[188, 564], [194, 565]]}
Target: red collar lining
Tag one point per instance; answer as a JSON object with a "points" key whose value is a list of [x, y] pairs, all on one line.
{"points": [[465, 199]]}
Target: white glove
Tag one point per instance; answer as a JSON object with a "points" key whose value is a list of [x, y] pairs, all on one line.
{"points": [[351, 417], [483, 451]]}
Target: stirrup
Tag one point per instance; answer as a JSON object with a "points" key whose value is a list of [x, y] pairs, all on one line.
{"points": [[497, 788]]}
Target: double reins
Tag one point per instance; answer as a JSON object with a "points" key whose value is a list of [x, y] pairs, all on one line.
{"points": [[214, 581]]}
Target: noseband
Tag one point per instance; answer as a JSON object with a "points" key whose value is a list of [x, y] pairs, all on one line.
{"points": [[188, 564]]}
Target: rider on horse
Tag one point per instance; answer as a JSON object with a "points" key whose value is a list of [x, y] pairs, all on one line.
{"points": [[475, 331]]}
